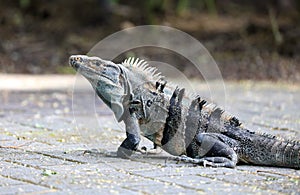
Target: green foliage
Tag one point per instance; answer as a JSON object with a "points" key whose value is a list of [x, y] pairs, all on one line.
{"points": [[24, 3], [211, 6], [151, 8], [114, 1], [65, 70], [274, 26], [182, 7]]}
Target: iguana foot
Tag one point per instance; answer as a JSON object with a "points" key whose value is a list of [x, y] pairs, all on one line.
{"points": [[124, 153], [128, 146], [145, 150], [211, 161], [218, 162]]}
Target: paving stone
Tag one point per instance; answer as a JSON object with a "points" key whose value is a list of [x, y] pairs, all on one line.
{"points": [[113, 191], [155, 187], [44, 136], [8, 182], [24, 189]]}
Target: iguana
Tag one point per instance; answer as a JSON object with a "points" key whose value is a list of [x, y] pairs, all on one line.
{"points": [[180, 124]]}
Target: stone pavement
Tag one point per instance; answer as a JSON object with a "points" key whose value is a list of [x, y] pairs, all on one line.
{"points": [[46, 128]]}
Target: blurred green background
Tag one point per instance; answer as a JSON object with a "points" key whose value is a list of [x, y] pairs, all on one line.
{"points": [[258, 40]]}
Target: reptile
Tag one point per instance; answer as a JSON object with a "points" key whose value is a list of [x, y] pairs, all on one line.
{"points": [[183, 125]]}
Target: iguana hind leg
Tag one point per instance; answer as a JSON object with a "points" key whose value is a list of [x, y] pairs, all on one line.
{"points": [[214, 150]]}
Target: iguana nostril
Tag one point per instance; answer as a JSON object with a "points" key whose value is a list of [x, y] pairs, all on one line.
{"points": [[73, 63]]}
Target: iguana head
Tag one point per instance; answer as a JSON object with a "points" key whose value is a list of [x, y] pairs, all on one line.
{"points": [[106, 77], [95, 69], [112, 82]]}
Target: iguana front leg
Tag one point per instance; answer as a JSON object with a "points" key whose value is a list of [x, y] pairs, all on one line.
{"points": [[130, 144]]}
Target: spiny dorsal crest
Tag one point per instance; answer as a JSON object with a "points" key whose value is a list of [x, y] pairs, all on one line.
{"points": [[213, 109], [142, 67], [160, 85]]}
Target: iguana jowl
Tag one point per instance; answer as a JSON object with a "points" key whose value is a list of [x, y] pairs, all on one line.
{"points": [[180, 124]]}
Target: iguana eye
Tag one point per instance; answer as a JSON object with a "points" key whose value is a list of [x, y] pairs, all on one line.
{"points": [[78, 59], [149, 103]]}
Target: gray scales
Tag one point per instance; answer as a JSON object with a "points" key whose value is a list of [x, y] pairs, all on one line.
{"points": [[182, 125]]}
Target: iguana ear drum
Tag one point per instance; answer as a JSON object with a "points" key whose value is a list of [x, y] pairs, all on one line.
{"points": [[149, 103]]}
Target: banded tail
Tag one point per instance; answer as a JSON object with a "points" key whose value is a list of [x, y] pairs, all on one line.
{"points": [[264, 149]]}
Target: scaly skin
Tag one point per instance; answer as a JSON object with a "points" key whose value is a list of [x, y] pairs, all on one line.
{"points": [[181, 125]]}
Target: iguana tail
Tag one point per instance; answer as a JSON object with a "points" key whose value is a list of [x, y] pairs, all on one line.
{"points": [[264, 149]]}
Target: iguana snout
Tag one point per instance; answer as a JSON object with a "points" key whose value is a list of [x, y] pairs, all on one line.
{"points": [[93, 67], [75, 61]]}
